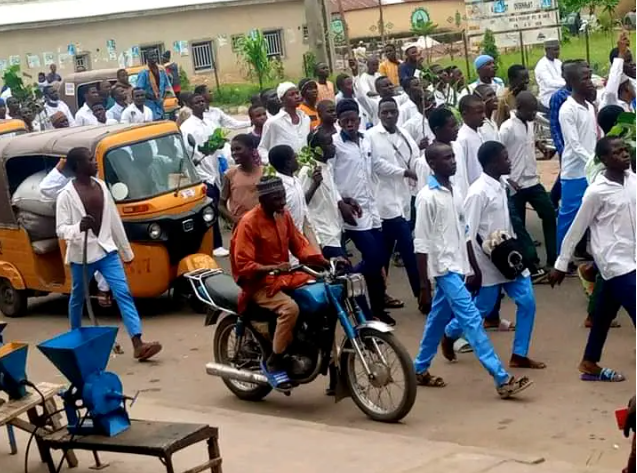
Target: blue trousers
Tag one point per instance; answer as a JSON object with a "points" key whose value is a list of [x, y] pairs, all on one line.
{"points": [[372, 247], [397, 235], [451, 298], [521, 291], [572, 193], [111, 268], [214, 193]]}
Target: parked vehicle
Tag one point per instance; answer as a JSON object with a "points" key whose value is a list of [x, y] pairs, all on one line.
{"points": [[371, 364], [11, 128], [166, 214]]}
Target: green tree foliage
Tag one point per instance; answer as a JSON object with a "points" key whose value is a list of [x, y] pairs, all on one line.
{"points": [[425, 29], [254, 54], [489, 47]]}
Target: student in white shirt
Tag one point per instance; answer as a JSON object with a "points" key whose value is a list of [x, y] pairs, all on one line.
{"points": [[86, 210], [283, 159], [619, 88], [120, 95], [416, 92], [579, 129], [518, 135], [444, 126], [392, 145], [489, 129], [445, 256], [385, 89], [486, 69], [548, 72], [354, 179], [217, 117], [137, 112], [346, 90], [366, 83], [53, 104], [418, 128], [207, 165], [100, 113], [608, 210], [486, 211], [84, 115], [469, 140], [288, 127]]}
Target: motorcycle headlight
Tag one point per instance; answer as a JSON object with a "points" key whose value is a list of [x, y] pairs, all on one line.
{"points": [[208, 214], [355, 285], [154, 231]]}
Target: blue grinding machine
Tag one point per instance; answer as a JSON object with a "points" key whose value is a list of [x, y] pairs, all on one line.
{"points": [[13, 362], [82, 355]]}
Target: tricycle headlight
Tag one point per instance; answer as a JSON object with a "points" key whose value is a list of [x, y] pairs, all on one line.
{"points": [[154, 231], [208, 214], [355, 284]]}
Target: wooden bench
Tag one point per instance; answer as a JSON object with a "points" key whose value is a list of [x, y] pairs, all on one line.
{"points": [[150, 438]]}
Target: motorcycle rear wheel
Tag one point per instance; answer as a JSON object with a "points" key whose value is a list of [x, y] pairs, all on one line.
{"points": [[224, 334], [354, 372]]}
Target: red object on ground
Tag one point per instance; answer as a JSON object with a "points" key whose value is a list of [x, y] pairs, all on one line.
{"points": [[621, 415]]}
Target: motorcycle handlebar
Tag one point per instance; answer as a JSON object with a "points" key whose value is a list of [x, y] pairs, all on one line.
{"points": [[300, 267]]}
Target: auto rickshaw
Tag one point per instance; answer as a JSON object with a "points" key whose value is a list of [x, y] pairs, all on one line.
{"points": [[73, 85], [163, 204], [11, 128]]}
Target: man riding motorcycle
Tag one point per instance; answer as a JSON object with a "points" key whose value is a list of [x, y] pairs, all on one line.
{"points": [[259, 256]]}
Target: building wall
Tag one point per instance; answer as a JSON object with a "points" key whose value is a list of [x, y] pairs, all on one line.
{"points": [[364, 23], [215, 24]]}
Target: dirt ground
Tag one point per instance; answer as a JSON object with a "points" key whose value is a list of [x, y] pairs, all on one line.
{"points": [[560, 418]]}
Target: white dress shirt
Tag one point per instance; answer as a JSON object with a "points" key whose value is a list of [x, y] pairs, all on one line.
{"points": [[371, 104], [85, 117], [208, 166], [70, 211], [459, 179], [59, 107], [353, 177], [469, 142], [279, 130], [407, 111], [53, 183], [132, 114], [423, 171], [115, 112], [323, 213], [548, 75], [610, 96], [367, 82], [441, 231], [489, 131], [519, 139], [392, 155], [608, 209], [496, 84], [418, 128], [295, 199], [579, 129], [363, 113], [487, 211], [219, 119]]}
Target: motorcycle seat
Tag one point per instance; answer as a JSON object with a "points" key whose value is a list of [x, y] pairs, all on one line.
{"points": [[223, 291]]}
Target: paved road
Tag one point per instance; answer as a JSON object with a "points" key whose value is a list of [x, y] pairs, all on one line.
{"points": [[560, 418]]}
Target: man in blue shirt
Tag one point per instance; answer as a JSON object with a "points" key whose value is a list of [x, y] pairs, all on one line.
{"points": [[409, 67]]}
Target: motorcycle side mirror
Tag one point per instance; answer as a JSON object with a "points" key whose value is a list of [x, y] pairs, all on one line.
{"points": [[191, 141], [193, 145]]}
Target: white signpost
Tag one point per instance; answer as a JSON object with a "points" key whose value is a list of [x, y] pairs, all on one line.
{"points": [[532, 21]]}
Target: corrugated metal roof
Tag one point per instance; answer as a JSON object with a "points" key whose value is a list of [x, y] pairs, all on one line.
{"points": [[56, 10], [349, 5]]}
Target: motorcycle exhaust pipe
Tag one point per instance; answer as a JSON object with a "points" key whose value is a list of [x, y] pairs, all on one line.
{"points": [[228, 372]]}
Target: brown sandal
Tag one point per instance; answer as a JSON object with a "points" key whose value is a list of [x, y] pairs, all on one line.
{"points": [[393, 303], [146, 351], [514, 386], [525, 362], [104, 299], [429, 380]]}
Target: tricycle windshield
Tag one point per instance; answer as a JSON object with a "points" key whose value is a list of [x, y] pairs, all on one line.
{"points": [[149, 168]]}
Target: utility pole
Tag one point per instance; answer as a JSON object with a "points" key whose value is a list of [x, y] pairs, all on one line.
{"points": [[315, 29], [348, 45], [381, 22]]}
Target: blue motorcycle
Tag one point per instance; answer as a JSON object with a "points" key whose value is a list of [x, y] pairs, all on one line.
{"points": [[370, 364]]}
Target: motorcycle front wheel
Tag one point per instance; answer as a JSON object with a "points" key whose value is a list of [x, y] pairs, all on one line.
{"points": [[245, 357], [389, 394]]}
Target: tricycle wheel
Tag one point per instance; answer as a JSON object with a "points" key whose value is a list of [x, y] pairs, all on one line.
{"points": [[13, 302], [390, 393], [247, 356]]}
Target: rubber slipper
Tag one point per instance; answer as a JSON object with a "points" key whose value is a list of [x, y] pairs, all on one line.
{"points": [[279, 380], [504, 326], [606, 375], [462, 346]]}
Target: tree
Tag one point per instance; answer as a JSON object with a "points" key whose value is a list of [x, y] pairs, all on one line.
{"points": [[254, 54], [489, 47], [425, 29]]}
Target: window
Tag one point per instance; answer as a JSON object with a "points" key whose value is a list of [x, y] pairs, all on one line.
{"points": [[274, 40], [237, 41], [158, 49], [82, 62], [306, 34], [202, 56]]}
